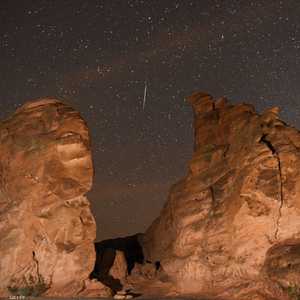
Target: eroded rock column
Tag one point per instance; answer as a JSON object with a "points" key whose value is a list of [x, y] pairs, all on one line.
{"points": [[47, 229], [227, 226]]}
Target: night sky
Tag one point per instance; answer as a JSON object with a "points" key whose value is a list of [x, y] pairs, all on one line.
{"points": [[99, 56]]}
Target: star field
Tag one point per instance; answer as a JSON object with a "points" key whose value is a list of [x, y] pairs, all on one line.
{"points": [[99, 55]]}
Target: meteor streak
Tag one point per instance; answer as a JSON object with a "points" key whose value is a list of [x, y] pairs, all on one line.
{"points": [[145, 95]]}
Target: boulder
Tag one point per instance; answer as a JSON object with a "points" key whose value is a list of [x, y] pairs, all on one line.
{"points": [[146, 270], [119, 268], [94, 289], [47, 229], [231, 227]]}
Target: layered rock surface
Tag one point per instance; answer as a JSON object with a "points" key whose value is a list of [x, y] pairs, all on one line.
{"points": [[231, 228], [46, 226]]}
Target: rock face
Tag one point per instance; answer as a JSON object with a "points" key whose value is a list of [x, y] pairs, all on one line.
{"points": [[119, 267], [46, 226], [231, 228], [94, 288]]}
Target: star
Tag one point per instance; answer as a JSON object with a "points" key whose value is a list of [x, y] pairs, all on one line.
{"points": [[127, 67]]}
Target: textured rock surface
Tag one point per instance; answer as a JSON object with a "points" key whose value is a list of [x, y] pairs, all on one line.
{"points": [[146, 270], [94, 288], [231, 228], [46, 226], [119, 267]]}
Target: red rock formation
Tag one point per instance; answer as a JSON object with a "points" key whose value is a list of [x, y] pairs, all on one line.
{"points": [[231, 228], [94, 288], [119, 267], [46, 226]]}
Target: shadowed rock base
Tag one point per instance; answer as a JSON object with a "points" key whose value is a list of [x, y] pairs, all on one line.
{"points": [[120, 265], [115, 259]]}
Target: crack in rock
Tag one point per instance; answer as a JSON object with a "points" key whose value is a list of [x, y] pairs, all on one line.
{"points": [[213, 198], [37, 265], [275, 153]]}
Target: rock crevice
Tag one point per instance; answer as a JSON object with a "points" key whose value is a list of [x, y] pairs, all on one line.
{"points": [[264, 140]]}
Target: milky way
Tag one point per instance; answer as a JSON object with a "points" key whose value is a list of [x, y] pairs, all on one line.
{"points": [[127, 66]]}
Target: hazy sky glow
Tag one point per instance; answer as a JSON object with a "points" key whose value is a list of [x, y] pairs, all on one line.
{"points": [[97, 56]]}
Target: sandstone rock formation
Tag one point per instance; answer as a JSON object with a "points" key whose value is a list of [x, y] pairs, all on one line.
{"points": [[145, 270], [231, 228], [115, 259], [119, 267], [94, 288], [46, 226]]}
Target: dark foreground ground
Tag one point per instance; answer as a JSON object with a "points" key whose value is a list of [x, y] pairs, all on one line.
{"points": [[84, 298]]}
